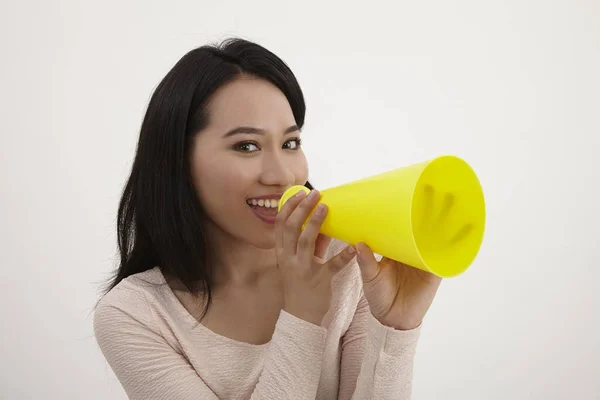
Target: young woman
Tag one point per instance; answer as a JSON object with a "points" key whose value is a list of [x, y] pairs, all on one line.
{"points": [[219, 296]]}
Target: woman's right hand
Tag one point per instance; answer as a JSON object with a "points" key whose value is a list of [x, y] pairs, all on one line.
{"points": [[306, 276]]}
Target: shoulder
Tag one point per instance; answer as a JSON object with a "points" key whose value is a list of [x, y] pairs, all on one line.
{"points": [[127, 306]]}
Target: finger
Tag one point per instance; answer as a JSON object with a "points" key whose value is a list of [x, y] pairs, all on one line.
{"points": [[369, 267], [293, 224], [321, 245], [308, 238], [339, 261], [282, 216]]}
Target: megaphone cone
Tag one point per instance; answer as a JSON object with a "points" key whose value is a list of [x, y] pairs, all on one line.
{"points": [[429, 215]]}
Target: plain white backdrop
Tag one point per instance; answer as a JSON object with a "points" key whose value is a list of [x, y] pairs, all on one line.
{"points": [[513, 87]]}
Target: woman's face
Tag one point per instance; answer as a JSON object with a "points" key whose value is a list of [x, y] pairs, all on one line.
{"points": [[248, 152]]}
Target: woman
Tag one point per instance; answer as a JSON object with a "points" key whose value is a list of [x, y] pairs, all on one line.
{"points": [[217, 295]]}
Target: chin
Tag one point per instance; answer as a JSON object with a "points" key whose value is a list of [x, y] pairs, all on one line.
{"points": [[264, 241]]}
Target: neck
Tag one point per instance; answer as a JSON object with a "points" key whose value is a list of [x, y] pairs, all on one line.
{"points": [[238, 263]]}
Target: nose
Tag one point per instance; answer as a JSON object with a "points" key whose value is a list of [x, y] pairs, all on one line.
{"points": [[276, 172]]}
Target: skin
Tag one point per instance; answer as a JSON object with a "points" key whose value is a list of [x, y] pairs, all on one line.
{"points": [[399, 296], [248, 293], [225, 175], [226, 171]]}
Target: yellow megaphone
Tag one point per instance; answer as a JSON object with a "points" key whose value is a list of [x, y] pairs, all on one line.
{"points": [[429, 215]]}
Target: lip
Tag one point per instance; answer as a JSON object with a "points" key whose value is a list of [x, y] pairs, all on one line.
{"points": [[260, 213]]}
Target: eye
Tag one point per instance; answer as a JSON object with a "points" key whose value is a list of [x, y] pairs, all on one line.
{"points": [[292, 144], [246, 147]]}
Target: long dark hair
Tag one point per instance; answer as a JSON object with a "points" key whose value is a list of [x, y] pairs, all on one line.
{"points": [[160, 218]]}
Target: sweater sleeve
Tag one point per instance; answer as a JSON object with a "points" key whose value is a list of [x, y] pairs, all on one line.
{"points": [[148, 367], [377, 361]]}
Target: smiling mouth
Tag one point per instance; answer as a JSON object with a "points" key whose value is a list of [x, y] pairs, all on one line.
{"points": [[265, 209]]}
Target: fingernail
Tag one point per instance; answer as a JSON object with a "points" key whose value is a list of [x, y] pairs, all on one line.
{"points": [[320, 209], [312, 194], [300, 193], [351, 250]]}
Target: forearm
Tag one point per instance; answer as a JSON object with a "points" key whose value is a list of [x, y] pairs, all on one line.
{"points": [[292, 367], [149, 368], [387, 367]]}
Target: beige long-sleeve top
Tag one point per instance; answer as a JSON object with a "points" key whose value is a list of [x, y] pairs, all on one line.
{"points": [[160, 351]]}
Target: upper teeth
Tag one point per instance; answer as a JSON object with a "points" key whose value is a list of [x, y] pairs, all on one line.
{"points": [[268, 203]]}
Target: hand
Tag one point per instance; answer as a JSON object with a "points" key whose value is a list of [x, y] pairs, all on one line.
{"points": [[399, 295], [306, 275]]}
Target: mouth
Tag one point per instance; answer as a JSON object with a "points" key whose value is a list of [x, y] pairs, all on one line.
{"points": [[265, 207]]}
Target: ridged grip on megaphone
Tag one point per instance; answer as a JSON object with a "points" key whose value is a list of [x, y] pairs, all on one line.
{"points": [[429, 215]]}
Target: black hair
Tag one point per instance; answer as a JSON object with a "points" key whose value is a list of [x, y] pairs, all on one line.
{"points": [[160, 219]]}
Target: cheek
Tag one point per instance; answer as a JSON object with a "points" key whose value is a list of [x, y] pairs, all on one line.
{"points": [[220, 185], [301, 170]]}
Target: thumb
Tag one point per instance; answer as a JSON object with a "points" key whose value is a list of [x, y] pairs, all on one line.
{"points": [[369, 267], [339, 261], [321, 245]]}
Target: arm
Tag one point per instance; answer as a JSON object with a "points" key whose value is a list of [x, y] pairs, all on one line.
{"points": [[149, 368], [377, 361]]}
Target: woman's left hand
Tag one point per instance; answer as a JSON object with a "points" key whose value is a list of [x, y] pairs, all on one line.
{"points": [[399, 296]]}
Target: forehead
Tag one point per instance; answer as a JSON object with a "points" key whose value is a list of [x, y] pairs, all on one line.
{"points": [[252, 102]]}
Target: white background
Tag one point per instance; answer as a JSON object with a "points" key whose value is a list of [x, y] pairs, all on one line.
{"points": [[513, 87]]}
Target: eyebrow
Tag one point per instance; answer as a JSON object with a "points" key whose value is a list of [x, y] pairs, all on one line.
{"points": [[256, 131]]}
